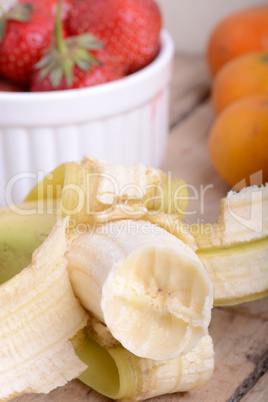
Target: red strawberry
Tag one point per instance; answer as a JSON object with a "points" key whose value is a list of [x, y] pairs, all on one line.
{"points": [[69, 64], [6, 86], [25, 36], [129, 28]]}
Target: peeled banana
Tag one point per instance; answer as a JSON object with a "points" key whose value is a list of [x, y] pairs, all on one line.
{"points": [[40, 315], [233, 250], [146, 285], [137, 269]]}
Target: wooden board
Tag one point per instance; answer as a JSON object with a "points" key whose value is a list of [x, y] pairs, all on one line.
{"points": [[240, 333]]}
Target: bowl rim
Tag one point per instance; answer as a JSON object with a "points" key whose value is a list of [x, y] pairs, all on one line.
{"points": [[35, 109]]}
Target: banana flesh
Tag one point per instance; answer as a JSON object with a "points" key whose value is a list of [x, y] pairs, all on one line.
{"points": [[35, 309], [172, 224], [146, 285]]}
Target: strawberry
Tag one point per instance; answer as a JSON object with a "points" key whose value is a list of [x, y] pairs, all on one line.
{"points": [[68, 64], [129, 28], [24, 34], [6, 86]]}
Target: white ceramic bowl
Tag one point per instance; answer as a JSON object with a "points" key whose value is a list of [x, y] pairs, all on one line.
{"points": [[124, 121]]}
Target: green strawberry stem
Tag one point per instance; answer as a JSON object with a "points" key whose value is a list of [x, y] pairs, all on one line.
{"points": [[58, 31]]}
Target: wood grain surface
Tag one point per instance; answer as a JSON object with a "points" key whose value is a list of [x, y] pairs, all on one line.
{"points": [[240, 333]]}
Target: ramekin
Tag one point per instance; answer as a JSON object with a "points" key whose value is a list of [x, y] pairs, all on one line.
{"points": [[124, 121]]}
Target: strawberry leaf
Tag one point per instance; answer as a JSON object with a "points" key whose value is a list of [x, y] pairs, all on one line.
{"points": [[56, 76], [19, 12], [83, 64], [86, 41], [45, 61], [68, 71], [44, 72]]}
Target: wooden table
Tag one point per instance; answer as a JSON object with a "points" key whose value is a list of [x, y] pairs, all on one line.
{"points": [[240, 333]]}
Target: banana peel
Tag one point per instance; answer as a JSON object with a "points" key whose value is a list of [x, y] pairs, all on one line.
{"points": [[118, 374], [35, 309], [24, 227], [234, 250], [93, 188]]}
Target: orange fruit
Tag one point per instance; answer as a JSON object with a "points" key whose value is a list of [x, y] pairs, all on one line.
{"points": [[238, 141], [243, 32], [243, 76]]}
